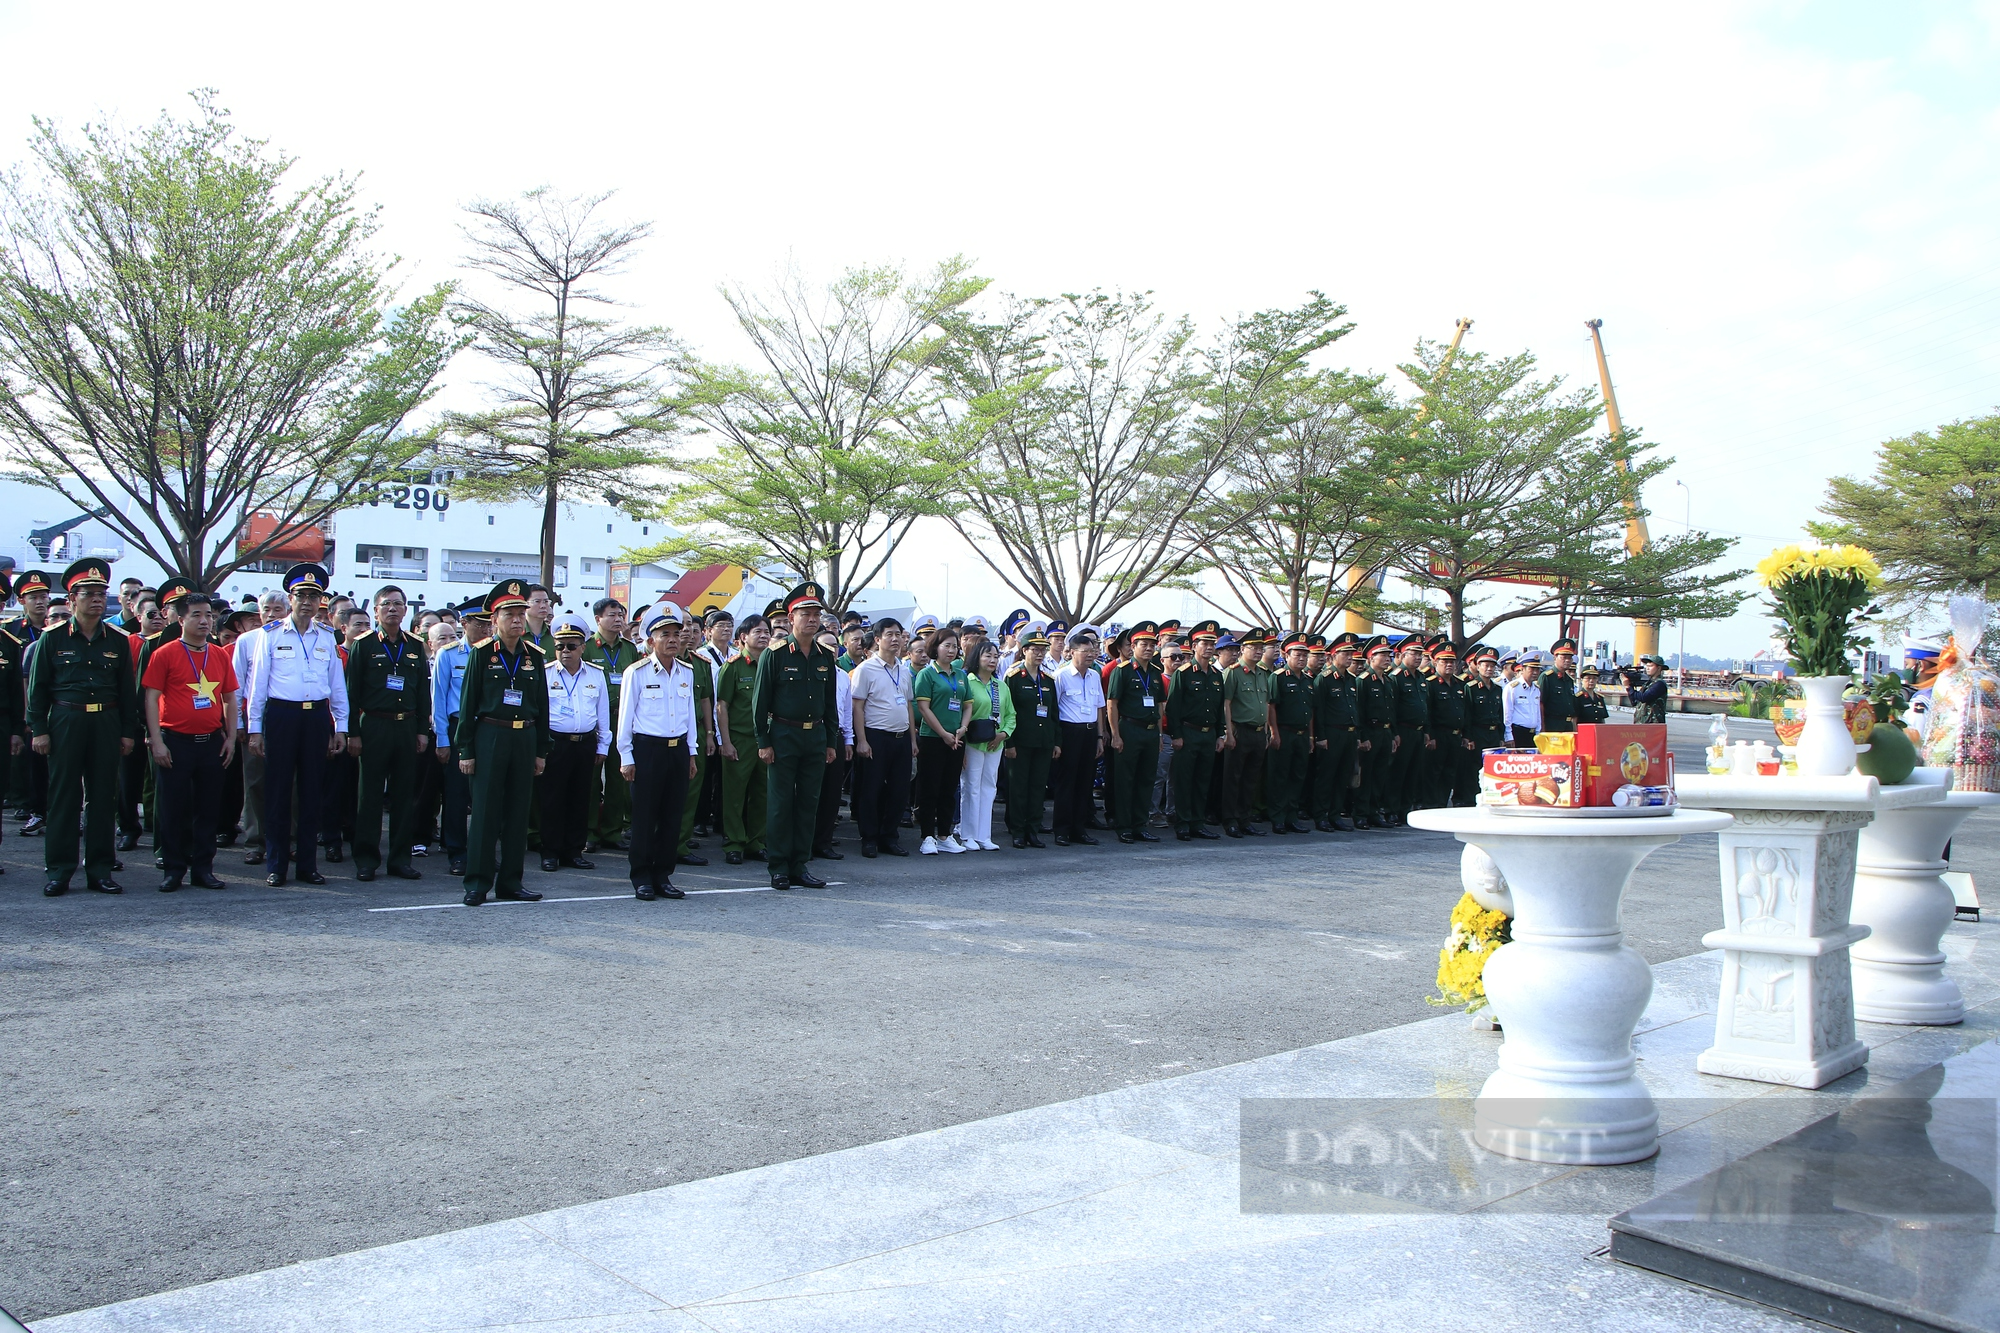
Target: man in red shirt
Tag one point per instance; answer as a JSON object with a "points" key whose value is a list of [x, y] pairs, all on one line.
{"points": [[190, 701]]}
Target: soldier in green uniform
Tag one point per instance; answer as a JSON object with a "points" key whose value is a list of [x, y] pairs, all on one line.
{"points": [[692, 640], [1413, 716], [1246, 697], [1590, 705], [743, 786], [502, 743], [1291, 732], [1135, 700], [389, 718], [1033, 746], [1457, 756], [1195, 727], [1559, 688], [1337, 732], [612, 652], [1486, 704], [83, 713], [796, 712], [1378, 743]]}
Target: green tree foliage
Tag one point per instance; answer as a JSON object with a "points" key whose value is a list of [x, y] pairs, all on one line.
{"points": [[1930, 515], [185, 343], [577, 410], [1502, 484], [825, 456], [1096, 430]]}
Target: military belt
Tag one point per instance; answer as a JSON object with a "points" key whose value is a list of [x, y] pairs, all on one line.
{"points": [[393, 717], [576, 735], [81, 708], [793, 722], [1337, 727], [1149, 723], [303, 705], [516, 723]]}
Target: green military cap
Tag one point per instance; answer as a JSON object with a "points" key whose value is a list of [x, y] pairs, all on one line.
{"points": [[89, 572], [33, 580]]}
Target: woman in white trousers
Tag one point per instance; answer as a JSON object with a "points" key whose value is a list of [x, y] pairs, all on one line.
{"points": [[991, 719]]}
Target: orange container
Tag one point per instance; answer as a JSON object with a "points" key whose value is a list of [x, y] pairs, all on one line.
{"points": [[1615, 755]]}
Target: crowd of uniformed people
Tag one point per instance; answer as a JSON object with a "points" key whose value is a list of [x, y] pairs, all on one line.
{"points": [[299, 726]]}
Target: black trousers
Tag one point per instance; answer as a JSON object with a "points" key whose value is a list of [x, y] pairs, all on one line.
{"points": [[430, 793], [340, 793], [1336, 797], [132, 788], [1378, 767], [882, 787], [229, 819], [1243, 775], [568, 782], [1079, 772], [659, 796], [38, 784], [295, 741], [938, 767], [457, 798], [829, 798], [1028, 772], [190, 793], [388, 766], [1524, 737]]}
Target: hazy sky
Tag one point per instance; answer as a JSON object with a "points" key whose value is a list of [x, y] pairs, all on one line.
{"points": [[1786, 215]]}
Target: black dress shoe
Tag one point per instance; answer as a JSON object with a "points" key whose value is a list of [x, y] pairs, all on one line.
{"points": [[645, 893], [1020, 842], [894, 849], [205, 879], [701, 830], [733, 858], [170, 883], [828, 854], [128, 842], [550, 863], [524, 896], [1280, 829], [1183, 836], [364, 874], [1125, 836], [475, 897], [333, 853], [869, 851], [457, 867], [805, 879], [1084, 838], [1343, 825], [1099, 824], [689, 859], [1034, 841], [1251, 830], [55, 888], [103, 886], [754, 856], [1208, 835], [694, 843], [780, 882], [311, 877], [117, 864], [159, 863], [274, 881], [667, 890], [1144, 835], [578, 863], [1231, 831], [624, 844], [254, 857], [406, 872], [1061, 841], [592, 847]]}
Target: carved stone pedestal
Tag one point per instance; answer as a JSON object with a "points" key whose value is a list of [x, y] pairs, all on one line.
{"points": [[1786, 1011], [1900, 893]]}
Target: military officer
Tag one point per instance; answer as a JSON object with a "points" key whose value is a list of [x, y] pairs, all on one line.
{"points": [[1337, 729], [83, 712], [580, 733], [1457, 755], [1485, 702], [503, 744], [1413, 716], [389, 690], [1590, 705], [1036, 739], [796, 713], [1379, 741], [1559, 688], [1195, 729], [1291, 732], [1246, 708], [611, 652], [1135, 698], [658, 730], [296, 706]]}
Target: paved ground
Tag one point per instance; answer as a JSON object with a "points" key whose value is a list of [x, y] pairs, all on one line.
{"points": [[206, 1084]]}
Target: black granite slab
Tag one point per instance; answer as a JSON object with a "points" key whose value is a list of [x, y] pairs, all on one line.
{"points": [[1879, 1217]]}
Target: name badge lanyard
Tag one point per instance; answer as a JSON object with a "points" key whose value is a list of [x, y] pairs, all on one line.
{"points": [[200, 672], [569, 687], [511, 697], [395, 681]]}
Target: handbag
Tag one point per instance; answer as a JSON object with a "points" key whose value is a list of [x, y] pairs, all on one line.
{"points": [[982, 731]]}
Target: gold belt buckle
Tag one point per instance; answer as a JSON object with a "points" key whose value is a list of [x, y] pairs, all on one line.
{"points": [[307, 704], [673, 741], [93, 708], [807, 725], [519, 723]]}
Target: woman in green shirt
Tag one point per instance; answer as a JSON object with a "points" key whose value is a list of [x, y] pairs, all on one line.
{"points": [[990, 708], [940, 693]]}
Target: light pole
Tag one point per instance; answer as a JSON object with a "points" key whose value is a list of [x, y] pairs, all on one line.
{"points": [[1680, 663]]}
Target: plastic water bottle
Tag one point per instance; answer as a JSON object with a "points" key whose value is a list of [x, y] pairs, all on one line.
{"points": [[1718, 745]]}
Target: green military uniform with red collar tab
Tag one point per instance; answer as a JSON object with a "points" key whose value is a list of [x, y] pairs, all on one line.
{"points": [[796, 714], [503, 726], [389, 706]]}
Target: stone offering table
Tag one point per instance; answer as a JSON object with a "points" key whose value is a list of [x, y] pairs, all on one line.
{"points": [[1901, 896], [1787, 1009], [1568, 990]]}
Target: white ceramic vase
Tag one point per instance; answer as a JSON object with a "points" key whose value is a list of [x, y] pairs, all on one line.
{"points": [[1826, 747]]}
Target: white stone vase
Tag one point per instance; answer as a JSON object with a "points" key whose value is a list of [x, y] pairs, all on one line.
{"points": [[1826, 747], [1899, 974]]}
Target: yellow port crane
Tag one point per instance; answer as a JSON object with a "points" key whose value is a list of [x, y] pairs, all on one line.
{"points": [[1645, 633]]}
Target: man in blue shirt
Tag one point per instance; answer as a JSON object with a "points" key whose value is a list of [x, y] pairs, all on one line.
{"points": [[447, 680]]}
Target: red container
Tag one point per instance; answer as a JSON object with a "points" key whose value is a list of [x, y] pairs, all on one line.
{"points": [[1512, 778], [1613, 756]]}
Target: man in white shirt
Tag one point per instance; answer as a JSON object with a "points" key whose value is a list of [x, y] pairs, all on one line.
{"points": [[836, 772], [272, 607], [580, 724], [296, 713], [878, 716], [657, 736], [1522, 700], [1080, 705]]}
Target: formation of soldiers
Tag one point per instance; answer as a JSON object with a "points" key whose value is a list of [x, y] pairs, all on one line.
{"points": [[503, 723]]}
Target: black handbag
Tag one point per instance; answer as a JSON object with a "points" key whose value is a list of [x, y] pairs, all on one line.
{"points": [[982, 730]]}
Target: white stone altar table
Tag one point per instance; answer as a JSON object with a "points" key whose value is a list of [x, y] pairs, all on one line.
{"points": [[1901, 896]]}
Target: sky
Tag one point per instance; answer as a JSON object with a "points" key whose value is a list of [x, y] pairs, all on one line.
{"points": [[1787, 215]]}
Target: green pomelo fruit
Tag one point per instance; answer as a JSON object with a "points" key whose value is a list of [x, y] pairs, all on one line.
{"points": [[1890, 758]]}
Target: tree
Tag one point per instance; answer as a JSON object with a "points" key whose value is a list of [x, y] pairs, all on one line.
{"points": [[179, 330], [1930, 515], [826, 456], [1096, 428], [579, 406], [1302, 504], [1503, 483]]}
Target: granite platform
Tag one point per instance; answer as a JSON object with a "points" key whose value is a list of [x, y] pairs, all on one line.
{"points": [[1128, 1210]]}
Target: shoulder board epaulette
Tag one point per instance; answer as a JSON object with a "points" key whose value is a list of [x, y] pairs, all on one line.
{"points": [[367, 635], [7, 633], [121, 633], [536, 646]]}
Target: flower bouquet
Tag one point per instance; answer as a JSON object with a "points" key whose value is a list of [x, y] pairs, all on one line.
{"points": [[1476, 932], [1964, 732], [1815, 596]]}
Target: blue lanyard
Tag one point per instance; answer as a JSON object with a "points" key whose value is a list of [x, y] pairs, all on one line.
{"points": [[201, 671], [514, 670], [569, 688], [395, 658]]}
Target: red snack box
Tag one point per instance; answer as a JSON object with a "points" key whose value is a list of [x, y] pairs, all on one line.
{"points": [[1616, 755], [1512, 778]]}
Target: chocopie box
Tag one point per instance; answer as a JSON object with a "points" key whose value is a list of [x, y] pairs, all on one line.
{"points": [[1516, 777], [1616, 755]]}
